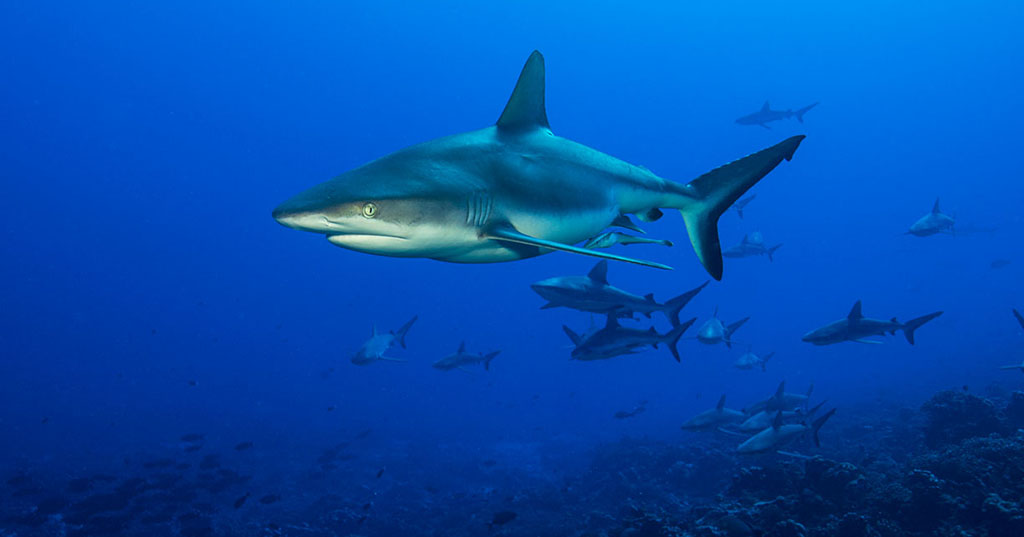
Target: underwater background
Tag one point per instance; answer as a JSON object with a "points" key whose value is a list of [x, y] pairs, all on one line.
{"points": [[148, 296]]}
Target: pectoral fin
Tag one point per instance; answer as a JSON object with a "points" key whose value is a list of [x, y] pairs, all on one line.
{"points": [[509, 234]]}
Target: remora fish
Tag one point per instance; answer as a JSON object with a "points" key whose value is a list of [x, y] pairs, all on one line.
{"points": [[593, 293], [857, 327], [512, 191], [379, 343], [611, 238], [462, 358], [615, 340]]}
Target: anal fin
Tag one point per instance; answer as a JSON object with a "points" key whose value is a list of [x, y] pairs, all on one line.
{"points": [[509, 234]]}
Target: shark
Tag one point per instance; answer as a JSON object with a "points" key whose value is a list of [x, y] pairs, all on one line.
{"points": [[932, 223], [514, 191], [750, 360], [611, 238], [615, 340], [780, 433], [857, 327], [752, 245], [461, 358], [742, 204], [762, 420], [766, 115], [782, 400], [710, 420], [381, 342], [593, 293], [714, 331]]}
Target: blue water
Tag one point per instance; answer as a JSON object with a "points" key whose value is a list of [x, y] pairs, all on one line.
{"points": [[147, 293]]}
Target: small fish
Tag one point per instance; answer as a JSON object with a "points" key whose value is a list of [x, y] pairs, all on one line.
{"points": [[611, 238], [192, 437], [1000, 263], [269, 499], [242, 446], [330, 408], [193, 448], [380, 473], [241, 501], [364, 433], [502, 517], [367, 506], [193, 383], [45, 420]]}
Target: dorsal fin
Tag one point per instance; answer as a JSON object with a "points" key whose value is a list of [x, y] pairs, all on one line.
{"points": [[599, 273], [373, 331], [855, 314], [649, 297], [935, 208], [462, 347], [721, 403], [764, 108], [780, 393], [777, 422], [525, 108]]}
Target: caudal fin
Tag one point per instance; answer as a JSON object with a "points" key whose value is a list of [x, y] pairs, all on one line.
{"points": [[816, 426], [704, 199], [914, 324], [672, 338], [800, 113], [676, 305], [400, 335]]}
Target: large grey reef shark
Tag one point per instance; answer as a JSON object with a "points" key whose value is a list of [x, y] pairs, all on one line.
{"points": [[766, 115], [857, 327], [512, 191]]}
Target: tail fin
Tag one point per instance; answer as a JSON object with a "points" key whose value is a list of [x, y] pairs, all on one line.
{"points": [[488, 358], [816, 426], [704, 199], [1020, 319], [764, 361], [914, 324], [800, 113], [771, 252], [400, 335], [672, 338], [676, 305]]}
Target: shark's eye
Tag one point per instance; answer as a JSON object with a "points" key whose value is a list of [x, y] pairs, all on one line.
{"points": [[370, 210]]}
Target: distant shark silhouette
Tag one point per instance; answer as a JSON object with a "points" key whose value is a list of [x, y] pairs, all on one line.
{"points": [[512, 191], [932, 223], [766, 115]]}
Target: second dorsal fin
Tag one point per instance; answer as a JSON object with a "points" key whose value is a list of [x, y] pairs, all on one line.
{"points": [[525, 108]]}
